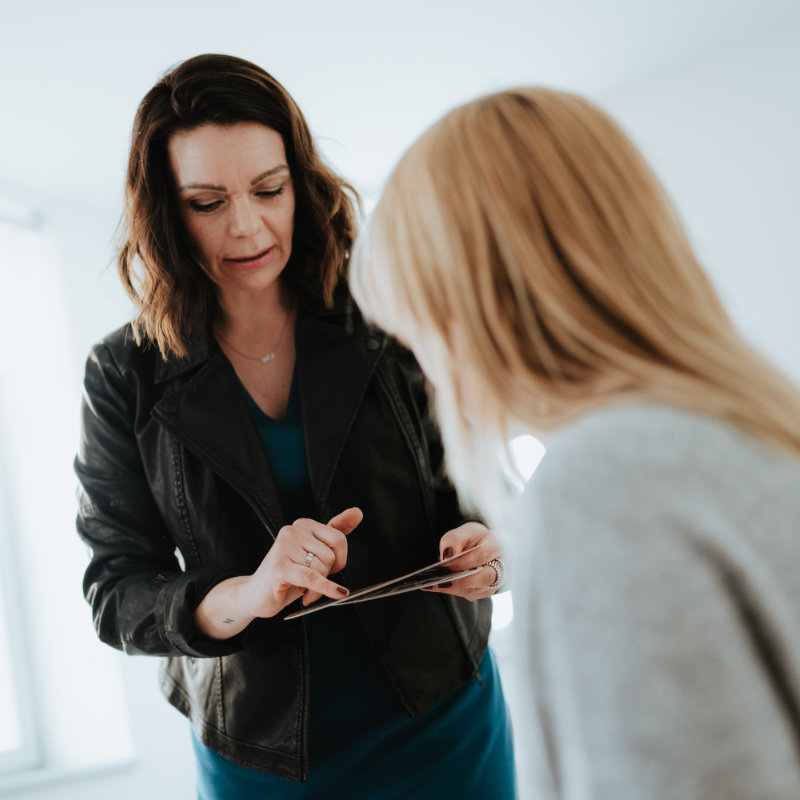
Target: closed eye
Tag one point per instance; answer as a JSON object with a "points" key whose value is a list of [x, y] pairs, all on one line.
{"points": [[269, 193], [212, 205], [205, 207]]}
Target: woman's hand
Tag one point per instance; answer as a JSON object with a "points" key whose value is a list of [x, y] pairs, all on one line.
{"points": [[298, 564], [457, 541]]}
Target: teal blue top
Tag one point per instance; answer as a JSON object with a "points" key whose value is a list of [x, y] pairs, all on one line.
{"points": [[362, 745]]}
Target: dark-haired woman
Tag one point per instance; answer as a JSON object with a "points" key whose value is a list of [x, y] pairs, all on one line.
{"points": [[246, 440]]}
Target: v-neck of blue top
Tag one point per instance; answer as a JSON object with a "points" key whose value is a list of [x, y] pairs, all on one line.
{"points": [[284, 442]]}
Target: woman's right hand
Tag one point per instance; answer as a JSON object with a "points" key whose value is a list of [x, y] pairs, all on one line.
{"points": [[282, 576]]}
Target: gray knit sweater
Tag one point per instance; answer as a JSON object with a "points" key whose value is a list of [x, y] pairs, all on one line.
{"points": [[657, 611]]}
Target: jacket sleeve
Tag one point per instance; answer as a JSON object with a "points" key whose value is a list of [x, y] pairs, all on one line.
{"points": [[142, 602]]}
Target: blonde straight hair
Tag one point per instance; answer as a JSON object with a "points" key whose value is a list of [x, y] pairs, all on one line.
{"points": [[527, 225]]}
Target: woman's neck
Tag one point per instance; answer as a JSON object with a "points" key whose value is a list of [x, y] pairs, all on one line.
{"points": [[255, 319]]}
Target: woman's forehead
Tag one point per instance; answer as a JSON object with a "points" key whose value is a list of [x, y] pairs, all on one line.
{"points": [[212, 155]]}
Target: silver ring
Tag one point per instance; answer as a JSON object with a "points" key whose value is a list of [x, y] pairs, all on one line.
{"points": [[308, 559], [497, 563]]}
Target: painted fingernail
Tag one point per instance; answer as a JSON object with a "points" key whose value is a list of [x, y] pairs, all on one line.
{"points": [[445, 585], [342, 590], [448, 551]]}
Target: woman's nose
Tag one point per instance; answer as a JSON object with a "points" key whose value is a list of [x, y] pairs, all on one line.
{"points": [[244, 217]]}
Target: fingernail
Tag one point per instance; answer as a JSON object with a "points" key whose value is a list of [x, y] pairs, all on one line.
{"points": [[448, 551], [342, 590], [445, 585]]}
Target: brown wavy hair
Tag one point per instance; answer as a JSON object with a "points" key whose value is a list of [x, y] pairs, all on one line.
{"points": [[156, 261]]}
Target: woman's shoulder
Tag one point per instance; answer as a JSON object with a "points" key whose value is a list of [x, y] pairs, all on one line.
{"points": [[345, 313], [653, 438], [119, 349], [119, 359], [660, 462]]}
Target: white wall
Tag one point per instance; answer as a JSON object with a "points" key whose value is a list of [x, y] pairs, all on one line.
{"points": [[724, 136]]}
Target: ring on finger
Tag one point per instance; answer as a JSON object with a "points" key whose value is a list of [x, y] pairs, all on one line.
{"points": [[500, 571], [308, 559]]}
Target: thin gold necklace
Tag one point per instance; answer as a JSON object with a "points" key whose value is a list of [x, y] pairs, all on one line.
{"points": [[265, 359]]}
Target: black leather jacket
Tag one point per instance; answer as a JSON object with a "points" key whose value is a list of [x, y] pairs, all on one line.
{"points": [[177, 494]]}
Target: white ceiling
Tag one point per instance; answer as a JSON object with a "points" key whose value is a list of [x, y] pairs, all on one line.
{"points": [[368, 74]]}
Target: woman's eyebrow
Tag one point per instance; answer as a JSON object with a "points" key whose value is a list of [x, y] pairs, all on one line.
{"points": [[269, 173], [213, 187], [202, 186]]}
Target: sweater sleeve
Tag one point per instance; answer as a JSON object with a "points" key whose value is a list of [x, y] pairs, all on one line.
{"points": [[650, 678]]}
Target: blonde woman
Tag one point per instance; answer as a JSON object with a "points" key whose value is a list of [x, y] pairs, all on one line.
{"points": [[529, 256]]}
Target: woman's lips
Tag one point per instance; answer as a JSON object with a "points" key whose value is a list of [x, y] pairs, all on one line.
{"points": [[255, 261]]}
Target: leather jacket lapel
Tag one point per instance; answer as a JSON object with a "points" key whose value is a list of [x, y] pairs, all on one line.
{"points": [[209, 415], [334, 368]]}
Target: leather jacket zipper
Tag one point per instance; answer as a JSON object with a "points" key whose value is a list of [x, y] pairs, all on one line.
{"points": [[306, 702], [306, 656]]}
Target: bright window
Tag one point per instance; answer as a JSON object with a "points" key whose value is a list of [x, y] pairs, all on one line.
{"points": [[19, 746], [61, 700]]}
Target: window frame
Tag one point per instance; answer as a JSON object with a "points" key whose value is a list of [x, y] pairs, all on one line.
{"points": [[28, 753]]}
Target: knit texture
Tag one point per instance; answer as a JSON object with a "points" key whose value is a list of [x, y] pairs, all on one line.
{"points": [[657, 612]]}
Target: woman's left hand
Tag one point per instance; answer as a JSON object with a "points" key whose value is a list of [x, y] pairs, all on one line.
{"points": [[468, 535]]}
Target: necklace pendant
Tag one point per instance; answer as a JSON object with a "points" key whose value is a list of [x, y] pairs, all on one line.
{"points": [[267, 358]]}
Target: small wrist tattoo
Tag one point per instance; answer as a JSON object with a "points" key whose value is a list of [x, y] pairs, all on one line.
{"points": [[228, 621]]}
